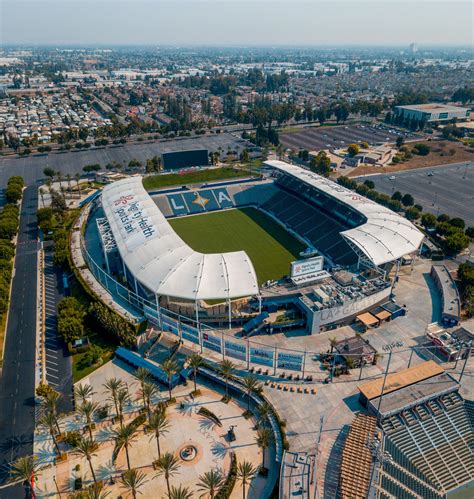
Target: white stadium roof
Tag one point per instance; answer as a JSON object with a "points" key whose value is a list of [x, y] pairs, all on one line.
{"points": [[384, 237], [160, 260]]}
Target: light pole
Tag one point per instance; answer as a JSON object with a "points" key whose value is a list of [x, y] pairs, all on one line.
{"points": [[380, 457]]}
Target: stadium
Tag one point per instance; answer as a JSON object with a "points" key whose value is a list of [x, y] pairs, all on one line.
{"points": [[233, 254]]}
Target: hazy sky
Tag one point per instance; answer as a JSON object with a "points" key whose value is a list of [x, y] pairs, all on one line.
{"points": [[237, 22]]}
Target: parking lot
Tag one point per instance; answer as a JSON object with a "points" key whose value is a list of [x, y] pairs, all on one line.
{"points": [[313, 139], [445, 189], [72, 162]]}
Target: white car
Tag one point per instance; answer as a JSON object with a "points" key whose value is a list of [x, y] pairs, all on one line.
{"points": [[392, 177]]}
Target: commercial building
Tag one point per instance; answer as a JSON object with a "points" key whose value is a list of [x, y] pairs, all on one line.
{"points": [[431, 113]]}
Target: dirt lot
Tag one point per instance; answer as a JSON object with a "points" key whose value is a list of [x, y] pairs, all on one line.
{"points": [[440, 155]]}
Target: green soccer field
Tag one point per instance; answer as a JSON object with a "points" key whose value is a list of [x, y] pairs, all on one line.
{"points": [[270, 247]]}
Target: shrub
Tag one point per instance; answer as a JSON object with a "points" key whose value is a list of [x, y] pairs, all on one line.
{"points": [[369, 184], [352, 150], [458, 222], [456, 242], [421, 149], [470, 232], [407, 200], [412, 213], [428, 220], [229, 484]]}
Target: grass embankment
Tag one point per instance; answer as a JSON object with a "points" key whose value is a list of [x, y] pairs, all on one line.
{"points": [[270, 247], [193, 177]]}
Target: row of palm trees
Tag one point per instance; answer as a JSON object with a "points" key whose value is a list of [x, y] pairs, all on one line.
{"points": [[157, 422]]}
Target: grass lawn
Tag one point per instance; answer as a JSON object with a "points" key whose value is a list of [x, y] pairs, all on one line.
{"points": [[207, 175], [270, 247], [80, 366]]}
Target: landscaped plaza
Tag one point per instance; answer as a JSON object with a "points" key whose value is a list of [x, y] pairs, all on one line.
{"points": [[199, 443]]}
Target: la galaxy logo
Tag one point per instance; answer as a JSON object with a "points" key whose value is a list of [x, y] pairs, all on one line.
{"points": [[201, 201]]}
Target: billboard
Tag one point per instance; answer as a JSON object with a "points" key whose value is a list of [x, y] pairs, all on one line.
{"points": [[308, 266], [185, 159]]}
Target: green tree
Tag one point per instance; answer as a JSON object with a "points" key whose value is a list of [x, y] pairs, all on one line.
{"points": [[412, 213], [83, 392], [113, 385], [428, 220], [251, 385], [352, 150], [407, 200], [456, 242], [25, 469], [226, 368], [167, 465], [210, 482], [124, 437], [170, 368], [159, 425], [123, 398], [180, 492], [195, 362], [48, 421], [132, 480], [245, 474], [143, 375], [87, 448], [264, 438], [400, 141], [87, 410], [369, 184]]}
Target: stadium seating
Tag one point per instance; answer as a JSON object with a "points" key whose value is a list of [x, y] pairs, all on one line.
{"points": [[433, 441]]}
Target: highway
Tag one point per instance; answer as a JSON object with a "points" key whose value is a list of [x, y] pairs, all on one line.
{"points": [[442, 189], [17, 383]]}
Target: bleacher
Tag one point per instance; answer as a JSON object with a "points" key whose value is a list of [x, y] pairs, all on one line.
{"points": [[319, 228], [431, 446]]}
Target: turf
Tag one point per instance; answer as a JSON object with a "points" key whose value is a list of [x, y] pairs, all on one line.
{"points": [[270, 247], [207, 175]]}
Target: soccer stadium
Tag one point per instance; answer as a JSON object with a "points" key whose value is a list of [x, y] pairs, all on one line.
{"points": [[230, 254]]}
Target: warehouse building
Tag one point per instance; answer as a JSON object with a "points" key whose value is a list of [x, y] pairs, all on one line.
{"points": [[431, 113]]}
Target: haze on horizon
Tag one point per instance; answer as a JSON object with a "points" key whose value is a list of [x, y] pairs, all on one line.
{"points": [[236, 22]]}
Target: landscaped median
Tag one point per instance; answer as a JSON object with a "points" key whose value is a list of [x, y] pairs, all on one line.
{"points": [[9, 222]]}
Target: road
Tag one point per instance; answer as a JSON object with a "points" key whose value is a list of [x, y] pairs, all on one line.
{"points": [[71, 162], [58, 359], [17, 383], [449, 190]]}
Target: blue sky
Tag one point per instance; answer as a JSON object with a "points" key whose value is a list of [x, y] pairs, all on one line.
{"points": [[237, 22]]}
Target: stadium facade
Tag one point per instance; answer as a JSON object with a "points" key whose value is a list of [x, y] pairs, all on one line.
{"points": [[360, 241]]}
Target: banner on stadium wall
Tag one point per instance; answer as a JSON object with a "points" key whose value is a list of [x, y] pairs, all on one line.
{"points": [[211, 342], [308, 266], [261, 356], [289, 361], [235, 350]]}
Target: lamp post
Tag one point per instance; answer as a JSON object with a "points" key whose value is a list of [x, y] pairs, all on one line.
{"points": [[380, 457]]}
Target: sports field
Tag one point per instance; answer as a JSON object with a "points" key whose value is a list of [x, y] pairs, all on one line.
{"points": [[270, 247]]}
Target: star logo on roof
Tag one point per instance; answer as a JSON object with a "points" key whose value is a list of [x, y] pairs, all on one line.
{"points": [[201, 201]]}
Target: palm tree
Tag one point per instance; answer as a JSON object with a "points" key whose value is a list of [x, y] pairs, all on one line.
{"points": [[170, 368], [132, 480], [263, 439], [48, 421], [195, 361], [245, 473], [226, 368], [83, 392], [180, 492], [124, 437], [86, 447], [77, 177], [88, 410], [250, 384], [158, 423], [59, 177], [149, 390], [50, 401], [68, 178], [113, 385], [143, 375], [167, 465], [95, 492], [123, 398], [264, 410], [333, 343], [25, 469], [42, 196], [210, 481]]}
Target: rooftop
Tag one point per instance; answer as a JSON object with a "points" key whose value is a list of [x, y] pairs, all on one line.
{"points": [[395, 381], [433, 108]]}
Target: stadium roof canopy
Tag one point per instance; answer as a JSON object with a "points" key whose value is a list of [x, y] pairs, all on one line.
{"points": [[160, 260], [384, 237]]}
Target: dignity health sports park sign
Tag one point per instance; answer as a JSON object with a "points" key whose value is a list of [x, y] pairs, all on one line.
{"points": [[308, 266]]}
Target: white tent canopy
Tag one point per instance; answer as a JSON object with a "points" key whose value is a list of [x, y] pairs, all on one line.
{"points": [[384, 237], [160, 260]]}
